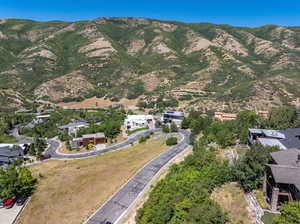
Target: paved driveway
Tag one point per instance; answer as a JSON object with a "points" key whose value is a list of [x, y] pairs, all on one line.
{"points": [[117, 206], [7, 216]]}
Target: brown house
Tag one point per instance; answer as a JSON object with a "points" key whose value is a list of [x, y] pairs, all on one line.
{"points": [[95, 139], [85, 140]]}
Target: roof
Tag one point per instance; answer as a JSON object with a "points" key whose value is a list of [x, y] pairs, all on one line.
{"points": [[292, 139], [287, 169], [7, 152], [273, 133], [4, 159], [286, 174], [139, 117], [271, 142], [95, 135], [174, 113], [43, 116], [287, 157], [286, 139], [255, 131], [73, 125]]}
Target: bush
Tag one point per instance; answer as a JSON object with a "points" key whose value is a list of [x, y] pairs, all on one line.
{"points": [[171, 141], [144, 138], [166, 129], [261, 199], [90, 146], [174, 127], [290, 213]]}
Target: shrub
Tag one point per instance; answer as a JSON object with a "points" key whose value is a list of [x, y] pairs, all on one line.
{"points": [[171, 141], [90, 146], [166, 129], [290, 213], [261, 199], [174, 127], [144, 138]]}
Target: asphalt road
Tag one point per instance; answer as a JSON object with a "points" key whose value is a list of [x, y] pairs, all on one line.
{"points": [[115, 208], [52, 150]]}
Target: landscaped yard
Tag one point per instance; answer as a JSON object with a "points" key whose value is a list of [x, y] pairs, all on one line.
{"points": [[268, 218], [231, 198], [70, 191]]}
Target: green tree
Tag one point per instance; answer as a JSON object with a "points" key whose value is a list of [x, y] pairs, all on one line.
{"points": [[171, 141], [281, 118], [112, 129], [246, 119], [185, 124], [15, 181], [166, 129], [173, 127], [251, 168], [290, 214]]}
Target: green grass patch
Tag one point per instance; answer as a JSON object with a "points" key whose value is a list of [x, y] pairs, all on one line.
{"points": [[7, 139], [261, 199], [268, 218], [130, 132]]}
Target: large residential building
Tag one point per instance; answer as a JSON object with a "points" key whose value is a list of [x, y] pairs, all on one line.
{"points": [[73, 127], [172, 117], [282, 179], [85, 140], [284, 139], [133, 122], [225, 116]]}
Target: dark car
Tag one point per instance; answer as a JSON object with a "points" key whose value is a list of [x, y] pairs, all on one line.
{"points": [[21, 200], [9, 203], [46, 156]]}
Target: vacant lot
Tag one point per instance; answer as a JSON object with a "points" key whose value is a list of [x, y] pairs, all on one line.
{"points": [[69, 191], [231, 198]]}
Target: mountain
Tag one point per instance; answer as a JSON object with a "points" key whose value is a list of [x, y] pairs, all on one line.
{"points": [[201, 65]]}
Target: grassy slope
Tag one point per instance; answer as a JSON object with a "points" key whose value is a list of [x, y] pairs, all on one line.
{"points": [[231, 198], [71, 190]]}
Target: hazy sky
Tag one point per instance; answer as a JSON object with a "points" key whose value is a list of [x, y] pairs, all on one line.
{"points": [[241, 13]]}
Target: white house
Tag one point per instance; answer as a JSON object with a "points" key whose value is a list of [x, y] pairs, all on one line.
{"points": [[138, 121]]}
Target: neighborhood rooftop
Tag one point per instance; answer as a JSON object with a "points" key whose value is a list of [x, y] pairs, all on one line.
{"points": [[96, 135], [7, 152], [286, 174], [284, 139], [287, 158], [73, 124]]}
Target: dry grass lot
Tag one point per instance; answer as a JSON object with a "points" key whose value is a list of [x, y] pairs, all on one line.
{"points": [[231, 198], [70, 191]]}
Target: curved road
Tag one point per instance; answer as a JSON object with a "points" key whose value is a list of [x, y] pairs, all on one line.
{"points": [[115, 208], [53, 146]]}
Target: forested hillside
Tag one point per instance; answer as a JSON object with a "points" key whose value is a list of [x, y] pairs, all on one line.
{"points": [[205, 65]]}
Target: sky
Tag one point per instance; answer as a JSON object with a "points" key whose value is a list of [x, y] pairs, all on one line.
{"points": [[234, 12]]}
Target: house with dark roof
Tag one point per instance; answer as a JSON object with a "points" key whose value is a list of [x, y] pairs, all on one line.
{"points": [[282, 179], [7, 155], [284, 139]]}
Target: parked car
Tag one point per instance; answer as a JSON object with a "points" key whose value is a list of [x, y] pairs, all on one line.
{"points": [[1, 203], [46, 156], [21, 200], [8, 203]]}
